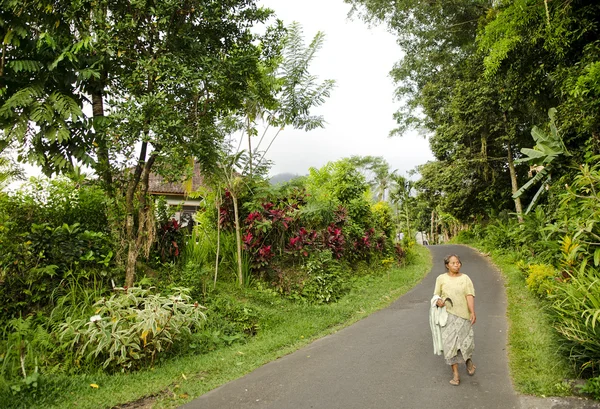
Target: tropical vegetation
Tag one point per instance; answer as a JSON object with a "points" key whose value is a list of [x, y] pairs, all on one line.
{"points": [[507, 94], [101, 285], [100, 282]]}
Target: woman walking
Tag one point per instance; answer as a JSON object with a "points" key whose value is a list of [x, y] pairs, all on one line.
{"points": [[454, 290]]}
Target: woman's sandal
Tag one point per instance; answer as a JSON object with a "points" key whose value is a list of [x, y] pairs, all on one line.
{"points": [[455, 381], [471, 367]]}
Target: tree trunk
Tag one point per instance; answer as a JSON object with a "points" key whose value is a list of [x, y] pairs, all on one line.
{"points": [[132, 252], [512, 171], [515, 186], [238, 238], [249, 147], [218, 205], [432, 238], [135, 238], [407, 221]]}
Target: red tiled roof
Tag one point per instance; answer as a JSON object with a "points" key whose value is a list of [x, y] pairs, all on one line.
{"points": [[157, 183]]}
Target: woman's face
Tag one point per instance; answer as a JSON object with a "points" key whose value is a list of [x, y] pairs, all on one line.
{"points": [[454, 265]]}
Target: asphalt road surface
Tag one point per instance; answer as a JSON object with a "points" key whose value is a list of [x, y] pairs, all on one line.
{"points": [[386, 360]]}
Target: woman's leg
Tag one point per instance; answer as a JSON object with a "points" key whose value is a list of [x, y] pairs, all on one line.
{"points": [[470, 367], [455, 377]]}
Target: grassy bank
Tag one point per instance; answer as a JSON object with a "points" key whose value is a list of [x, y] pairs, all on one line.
{"points": [[537, 365], [285, 326]]}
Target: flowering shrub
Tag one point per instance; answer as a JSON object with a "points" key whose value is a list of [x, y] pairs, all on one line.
{"points": [[540, 275], [400, 253], [132, 328], [330, 210], [226, 211], [302, 242], [362, 246], [169, 240], [334, 241], [265, 229]]}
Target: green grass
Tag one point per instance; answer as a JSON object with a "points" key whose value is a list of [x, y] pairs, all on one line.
{"points": [[285, 327], [537, 364]]}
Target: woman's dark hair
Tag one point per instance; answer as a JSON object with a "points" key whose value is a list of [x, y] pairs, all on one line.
{"points": [[447, 260]]}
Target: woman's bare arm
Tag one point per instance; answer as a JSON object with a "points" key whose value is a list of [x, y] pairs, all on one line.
{"points": [[471, 305]]}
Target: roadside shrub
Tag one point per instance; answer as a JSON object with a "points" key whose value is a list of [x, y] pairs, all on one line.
{"points": [[132, 328], [383, 220], [539, 279], [500, 234], [26, 346], [536, 237], [43, 258], [399, 253], [231, 317], [49, 230], [334, 240], [576, 303], [465, 236], [325, 282], [578, 213]]}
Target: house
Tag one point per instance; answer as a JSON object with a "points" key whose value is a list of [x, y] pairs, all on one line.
{"points": [[176, 194]]}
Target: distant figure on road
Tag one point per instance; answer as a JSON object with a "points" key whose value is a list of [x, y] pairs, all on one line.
{"points": [[455, 291]]}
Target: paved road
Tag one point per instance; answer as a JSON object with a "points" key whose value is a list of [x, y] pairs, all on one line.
{"points": [[386, 360]]}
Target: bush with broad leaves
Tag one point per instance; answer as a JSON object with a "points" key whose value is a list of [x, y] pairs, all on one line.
{"points": [[132, 328]]}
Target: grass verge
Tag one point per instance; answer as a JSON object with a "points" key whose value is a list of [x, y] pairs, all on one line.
{"points": [[537, 366], [285, 327]]}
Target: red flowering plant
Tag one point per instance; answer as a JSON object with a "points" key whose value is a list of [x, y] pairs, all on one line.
{"points": [[169, 240], [265, 230], [364, 245], [302, 243], [255, 231], [334, 240], [380, 242]]}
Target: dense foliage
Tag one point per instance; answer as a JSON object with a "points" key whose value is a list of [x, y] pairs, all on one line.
{"points": [[558, 252], [101, 84], [62, 313], [477, 76], [507, 93]]}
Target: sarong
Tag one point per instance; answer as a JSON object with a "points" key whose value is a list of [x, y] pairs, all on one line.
{"points": [[458, 340]]}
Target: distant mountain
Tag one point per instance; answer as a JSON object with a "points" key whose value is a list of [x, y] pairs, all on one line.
{"points": [[282, 178]]}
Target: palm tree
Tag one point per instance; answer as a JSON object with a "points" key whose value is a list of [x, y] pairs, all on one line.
{"points": [[377, 172], [401, 196]]}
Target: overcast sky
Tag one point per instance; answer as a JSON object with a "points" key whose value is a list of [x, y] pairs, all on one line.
{"points": [[359, 111]]}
